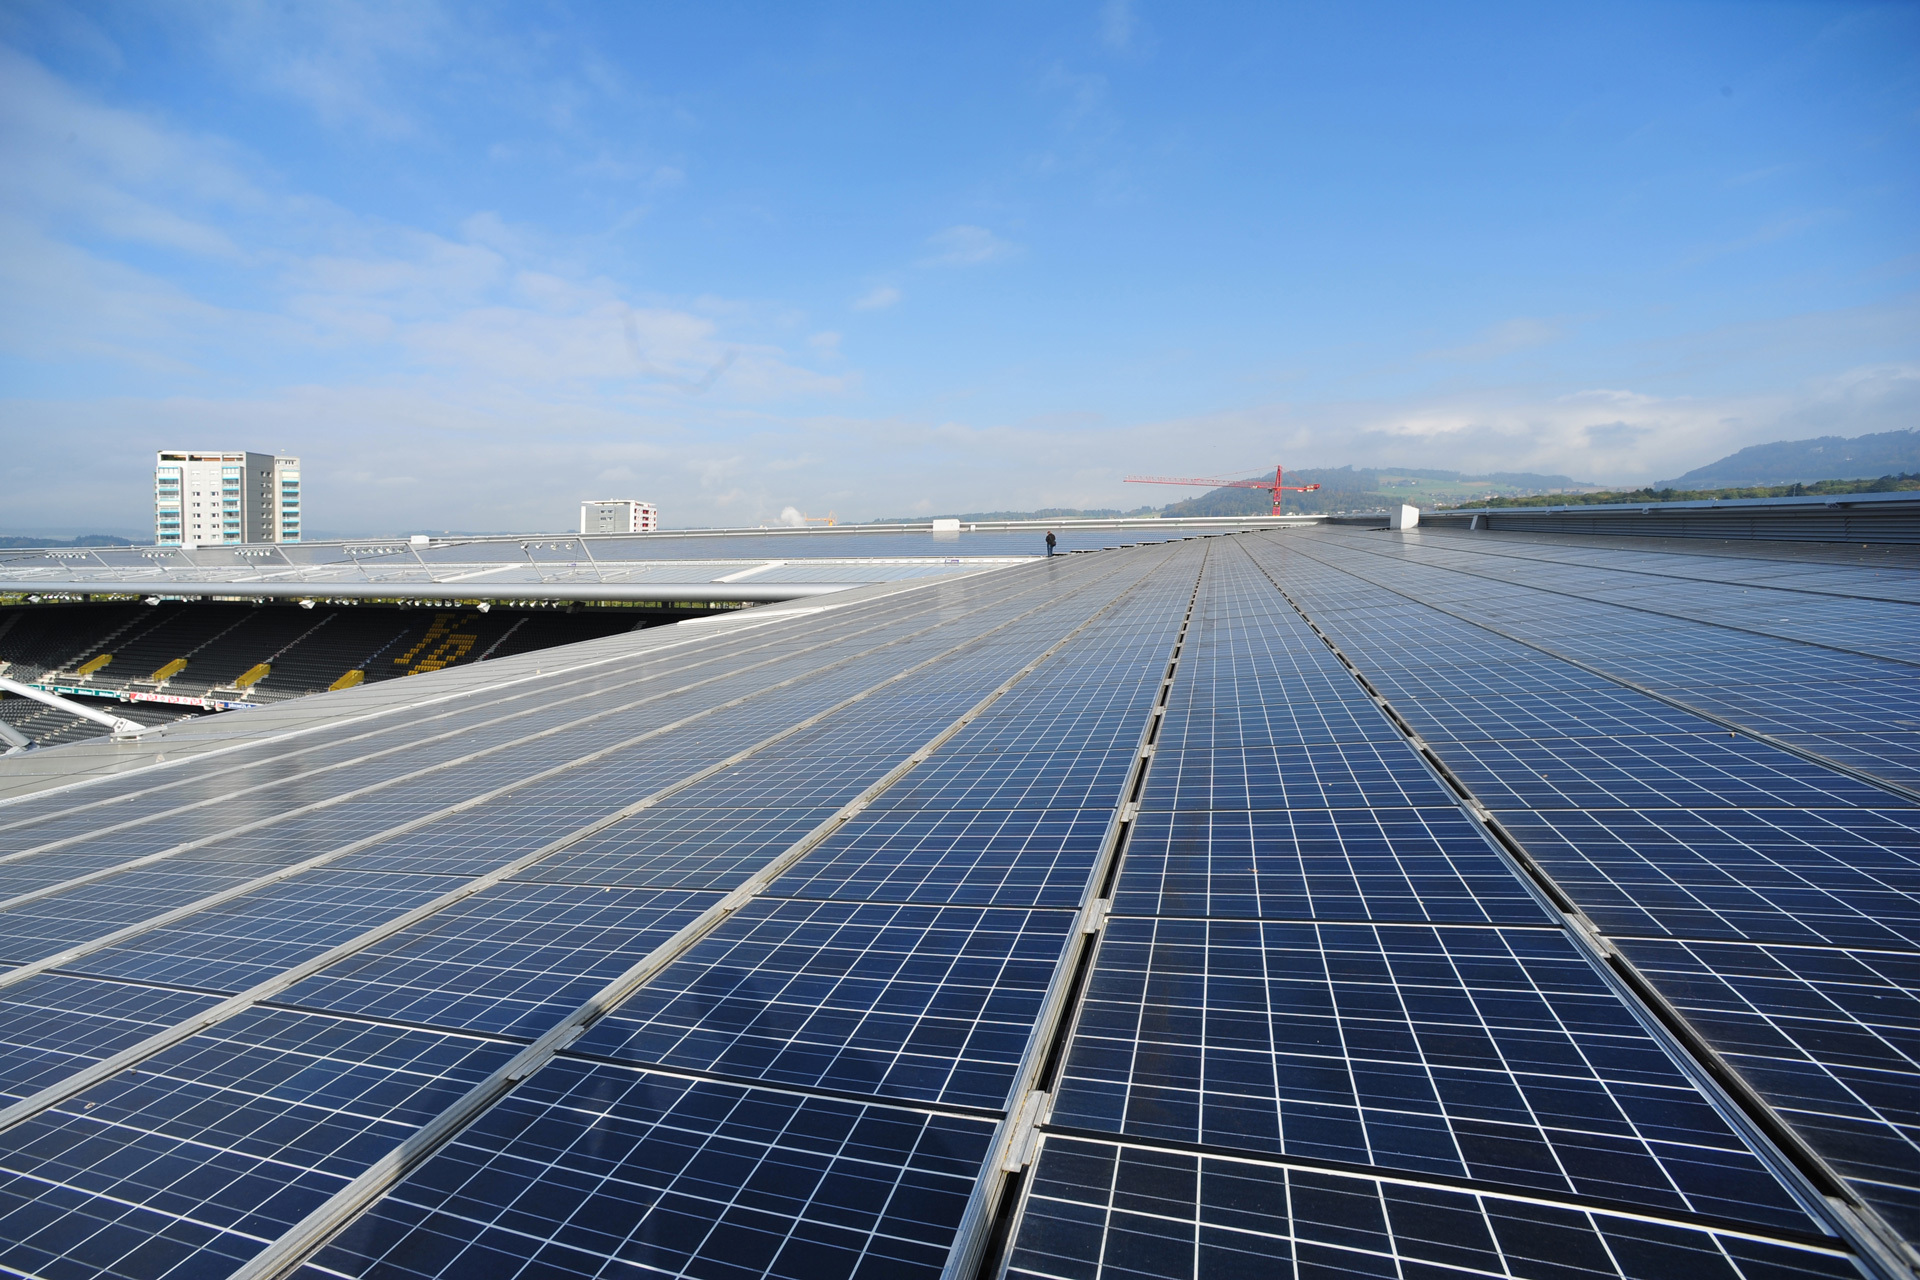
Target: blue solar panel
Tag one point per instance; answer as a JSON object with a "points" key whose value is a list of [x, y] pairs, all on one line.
{"points": [[220, 1143], [513, 960], [1101, 1210], [597, 1169], [924, 1004], [1693, 771], [231, 947], [53, 1025], [1848, 877], [1830, 1038], [1328, 1024], [1498, 1056], [1360, 864], [1355, 775], [1689, 849], [1007, 858]]}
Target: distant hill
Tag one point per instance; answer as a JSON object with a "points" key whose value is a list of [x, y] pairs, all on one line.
{"points": [[1341, 489], [1805, 461], [84, 540], [1368, 488], [1798, 489]]}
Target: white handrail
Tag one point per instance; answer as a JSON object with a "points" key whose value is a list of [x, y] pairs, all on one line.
{"points": [[121, 727]]}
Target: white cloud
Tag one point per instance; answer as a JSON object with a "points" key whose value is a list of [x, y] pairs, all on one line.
{"points": [[1609, 436], [1117, 21], [878, 298], [74, 164], [496, 305], [965, 246]]}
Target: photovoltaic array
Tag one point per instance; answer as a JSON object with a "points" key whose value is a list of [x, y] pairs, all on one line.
{"points": [[1305, 902]]}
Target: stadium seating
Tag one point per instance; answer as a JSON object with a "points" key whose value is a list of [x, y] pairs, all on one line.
{"points": [[257, 652]]}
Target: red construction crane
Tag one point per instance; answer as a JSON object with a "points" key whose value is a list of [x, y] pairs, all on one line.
{"points": [[1277, 488]]}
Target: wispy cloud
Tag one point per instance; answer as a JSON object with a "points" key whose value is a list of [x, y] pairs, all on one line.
{"points": [[347, 61], [1503, 339], [314, 293], [966, 246], [1784, 227], [1117, 21], [878, 298]]}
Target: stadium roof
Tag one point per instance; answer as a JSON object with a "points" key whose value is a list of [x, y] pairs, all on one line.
{"points": [[712, 564], [1317, 901]]}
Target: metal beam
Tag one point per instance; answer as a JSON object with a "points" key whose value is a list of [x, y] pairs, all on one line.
{"points": [[676, 593]]}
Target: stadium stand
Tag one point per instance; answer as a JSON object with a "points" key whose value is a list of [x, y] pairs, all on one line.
{"points": [[1329, 901], [220, 646]]}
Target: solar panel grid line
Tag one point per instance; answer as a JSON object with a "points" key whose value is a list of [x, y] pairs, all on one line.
{"points": [[1824, 623], [229, 1008], [55, 1026], [548, 705], [993, 1207], [1837, 876], [894, 1002], [1060, 718], [517, 784], [1886, 784], [1857, 1219], [1826, 1033], [498, 962], [296, 1245], [315, 749], [955, 745]]}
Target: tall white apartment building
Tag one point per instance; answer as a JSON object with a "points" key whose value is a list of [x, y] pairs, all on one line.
{"points": [[207, 498], [618, 515]]}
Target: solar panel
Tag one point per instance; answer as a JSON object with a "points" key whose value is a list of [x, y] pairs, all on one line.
{"points": [[1688, 849], [1105, 1209], [1093, 907], [591, 1166]]}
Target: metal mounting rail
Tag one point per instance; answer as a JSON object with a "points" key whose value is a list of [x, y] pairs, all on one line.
{"points": [[988, 1217]]}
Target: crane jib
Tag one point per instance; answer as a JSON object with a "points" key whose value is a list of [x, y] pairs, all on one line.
{"points": [[1276, 487]]}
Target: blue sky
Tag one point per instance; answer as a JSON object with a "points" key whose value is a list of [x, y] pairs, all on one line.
{"points": [[475, 263]]}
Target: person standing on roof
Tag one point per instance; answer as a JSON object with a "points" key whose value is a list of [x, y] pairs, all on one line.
{"points": [[1050, 541]]}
